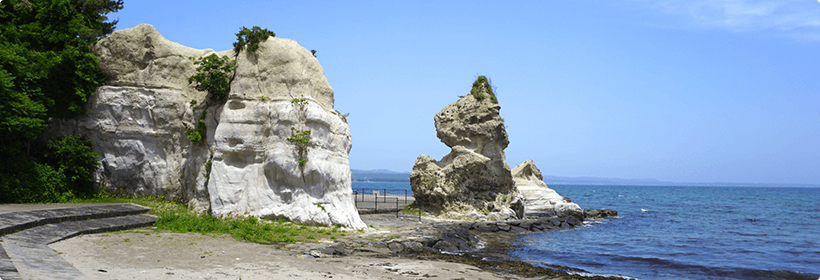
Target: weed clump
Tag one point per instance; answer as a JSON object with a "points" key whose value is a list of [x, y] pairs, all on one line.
{"points": [[482, 86]]}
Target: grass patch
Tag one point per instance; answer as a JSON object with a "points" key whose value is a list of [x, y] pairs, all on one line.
{"points": [[176, 217], [412, 210]]}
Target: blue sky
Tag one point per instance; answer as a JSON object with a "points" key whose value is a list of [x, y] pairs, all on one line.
{"points": [[681, 91]]}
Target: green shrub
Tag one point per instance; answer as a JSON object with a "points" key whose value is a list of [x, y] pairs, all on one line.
{"points": [[58, 171], [208, 169], [300, 138], [251, 38], [480, 86], [197, 135], [214, 75]]}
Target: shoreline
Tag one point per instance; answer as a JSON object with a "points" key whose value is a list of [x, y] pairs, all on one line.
{"points": [[398, 248]]}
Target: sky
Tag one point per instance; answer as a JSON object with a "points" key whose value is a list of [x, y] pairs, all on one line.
{"points": [[673, 90]]}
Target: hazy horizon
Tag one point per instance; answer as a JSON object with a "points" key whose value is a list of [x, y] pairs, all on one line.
{"points": [[678, 91]]}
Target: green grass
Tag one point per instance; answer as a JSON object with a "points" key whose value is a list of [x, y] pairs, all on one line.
{"points": [[412, 210], [176, 217]]}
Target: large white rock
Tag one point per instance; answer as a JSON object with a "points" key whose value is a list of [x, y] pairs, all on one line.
{"points": [[138, 123], [256, 170], [538, 198]]}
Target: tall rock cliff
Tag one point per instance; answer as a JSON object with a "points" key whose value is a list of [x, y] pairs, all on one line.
{"points": [[245, 164], [474, 177]]}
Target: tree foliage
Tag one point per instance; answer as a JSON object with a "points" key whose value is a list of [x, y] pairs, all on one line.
{"points": [[46, 70], [214, 75], [251, 37]]}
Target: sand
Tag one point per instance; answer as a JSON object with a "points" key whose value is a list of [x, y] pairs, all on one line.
{"points": [[144, 254]]}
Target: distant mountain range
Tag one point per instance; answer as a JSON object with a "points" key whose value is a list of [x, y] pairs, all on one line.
{"points": [[384, 175]]}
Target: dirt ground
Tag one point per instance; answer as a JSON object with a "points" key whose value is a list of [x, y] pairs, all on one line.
{"points": [[144, 254]]}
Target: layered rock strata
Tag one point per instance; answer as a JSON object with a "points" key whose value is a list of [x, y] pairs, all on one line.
{"points": [[244, 165], [540, 200], [474, 178]]}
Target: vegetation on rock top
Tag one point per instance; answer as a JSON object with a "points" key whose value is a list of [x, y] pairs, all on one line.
{"points": [[481, 86], [214, 75], [251, 37]]}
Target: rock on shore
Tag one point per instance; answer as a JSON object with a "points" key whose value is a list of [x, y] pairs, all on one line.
{"points": [[474, 178], [244, 164], [538, 198]]}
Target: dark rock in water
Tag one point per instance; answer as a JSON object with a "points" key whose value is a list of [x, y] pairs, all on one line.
{"points": [[599, 213], [515, 229], [488, 227], [503, 226], [572, 222]]}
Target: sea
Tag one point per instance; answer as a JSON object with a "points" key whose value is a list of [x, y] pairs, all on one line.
{"points": [[682, 232]]}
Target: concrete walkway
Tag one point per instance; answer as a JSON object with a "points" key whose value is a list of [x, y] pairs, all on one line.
{"points": [[26, 230]]}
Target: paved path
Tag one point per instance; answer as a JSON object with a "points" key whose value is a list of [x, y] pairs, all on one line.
{"points": [[26, 231]]}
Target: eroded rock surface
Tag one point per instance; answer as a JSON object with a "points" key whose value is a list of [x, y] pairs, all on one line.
{"points": [[474, 178], [138, 123], [538, 198]]}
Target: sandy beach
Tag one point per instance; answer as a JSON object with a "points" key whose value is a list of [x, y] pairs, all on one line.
{"points": [[146, 254], [143, 254]]}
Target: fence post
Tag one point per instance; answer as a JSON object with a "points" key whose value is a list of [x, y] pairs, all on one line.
{"points": [[405, 196], [397, 207], [384, 196]]}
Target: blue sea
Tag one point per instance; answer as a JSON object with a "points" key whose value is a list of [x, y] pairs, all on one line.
{"points": [[668, 232], [388, 187]]}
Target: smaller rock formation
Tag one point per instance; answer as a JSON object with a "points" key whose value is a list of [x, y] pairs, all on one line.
{"points": [[540, 200], [474, 179]]}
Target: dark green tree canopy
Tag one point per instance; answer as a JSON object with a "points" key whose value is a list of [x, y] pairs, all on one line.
{"points": [[251, 37], [46, 70]]}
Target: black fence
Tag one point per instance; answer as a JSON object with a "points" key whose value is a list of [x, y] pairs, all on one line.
{"points": [[370, 194], [371, 201]]}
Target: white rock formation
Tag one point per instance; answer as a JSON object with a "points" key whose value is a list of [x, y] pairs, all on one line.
{"points": [[475, 175], [538, 198], [138, 123]]}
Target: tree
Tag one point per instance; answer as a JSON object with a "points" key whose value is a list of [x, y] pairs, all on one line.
{"points": [[46, 70]]}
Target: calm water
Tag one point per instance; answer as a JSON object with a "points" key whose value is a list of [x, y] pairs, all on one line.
{"points": [[390, 187], [688, 233], [681, 232]]}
